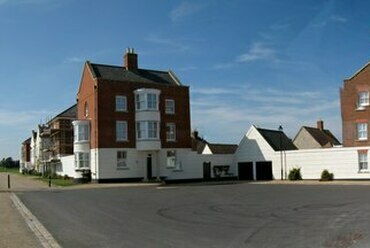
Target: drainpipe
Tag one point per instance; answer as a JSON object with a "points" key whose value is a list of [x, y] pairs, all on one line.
{"points": [[158, 166]]}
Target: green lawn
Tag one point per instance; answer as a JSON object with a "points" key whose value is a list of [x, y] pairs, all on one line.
{"points": [[58, 182], [9, 170]]}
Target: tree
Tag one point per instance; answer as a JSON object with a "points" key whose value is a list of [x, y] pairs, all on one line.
{"points": [[9, 163]]}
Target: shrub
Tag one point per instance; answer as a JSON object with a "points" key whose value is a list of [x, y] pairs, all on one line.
{"points": [[326, 176], [295, 174]]}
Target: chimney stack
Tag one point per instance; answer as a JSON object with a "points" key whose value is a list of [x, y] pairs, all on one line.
{"points": [[130, 60], [320, 124]]}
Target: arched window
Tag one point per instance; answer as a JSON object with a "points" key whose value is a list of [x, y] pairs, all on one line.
{"points": [[86, 109]]}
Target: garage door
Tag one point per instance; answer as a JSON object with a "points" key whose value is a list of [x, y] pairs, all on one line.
{"points": [[245, 171], [264, 170]]}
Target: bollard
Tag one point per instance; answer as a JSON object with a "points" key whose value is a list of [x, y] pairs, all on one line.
{"points": [[8, 181], [49, 181]]}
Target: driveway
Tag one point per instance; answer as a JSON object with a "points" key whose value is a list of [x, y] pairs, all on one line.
{"points": [[237, 215]]}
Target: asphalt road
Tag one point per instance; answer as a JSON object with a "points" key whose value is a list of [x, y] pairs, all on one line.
{"points": [[238, 215]]}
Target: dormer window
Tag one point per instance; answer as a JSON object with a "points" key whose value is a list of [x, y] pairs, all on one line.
{"points": [[362, 99]]}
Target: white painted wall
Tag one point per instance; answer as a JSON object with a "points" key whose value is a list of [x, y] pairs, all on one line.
{"points": [[342, 162], [67, 166], [192, 164], [107, 164]]}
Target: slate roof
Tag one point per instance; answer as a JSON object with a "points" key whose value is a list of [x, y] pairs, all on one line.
{"points": [[222, 148], [71, 112], [119, 73], [358, 72], [273, 138], [215, 148], [27, 141], [323, 137]]}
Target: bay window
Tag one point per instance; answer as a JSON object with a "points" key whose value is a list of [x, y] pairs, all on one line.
{"points": [[147, 130]]}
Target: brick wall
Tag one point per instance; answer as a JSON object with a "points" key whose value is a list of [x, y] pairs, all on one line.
{"points": [[350, 114]]}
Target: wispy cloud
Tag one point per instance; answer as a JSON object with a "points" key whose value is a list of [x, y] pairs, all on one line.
{"points": [[333, 19], [257, 51], [75, 60], [172, 43], [339, 19], [234, 109], [185, 9], [10, 118]]}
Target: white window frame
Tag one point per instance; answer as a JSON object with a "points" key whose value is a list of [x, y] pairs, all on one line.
{"points": [[170, 132], [147, 130], [171, 159], [152, 101], [362, 132], [363, 161], [121, 130], [121, 103], [82, 160], [147, 99], [362, 99], [152, 130], [122, 160], [170, 106], [82, 133]]}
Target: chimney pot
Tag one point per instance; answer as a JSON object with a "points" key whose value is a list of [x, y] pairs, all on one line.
{"points": [[130, 60], [320, 124]]}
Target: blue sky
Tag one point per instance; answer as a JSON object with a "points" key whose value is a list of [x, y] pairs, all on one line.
{"points": [[262, 62]]}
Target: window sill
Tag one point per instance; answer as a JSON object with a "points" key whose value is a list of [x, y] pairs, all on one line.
{"points": [[362, 108], [147, 110], [363, 171], [364, 139], [81, 141], [178, 170], [123, 168], [121, 111], [170, 113]]}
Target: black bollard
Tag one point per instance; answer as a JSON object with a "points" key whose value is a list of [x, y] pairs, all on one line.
{"points": [[49, 181], [8, 181]]}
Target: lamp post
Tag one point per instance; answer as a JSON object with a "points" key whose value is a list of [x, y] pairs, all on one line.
{"points": [[281, 150]]}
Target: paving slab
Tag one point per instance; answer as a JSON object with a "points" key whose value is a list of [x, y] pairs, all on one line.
{"points": [[14, 232]]}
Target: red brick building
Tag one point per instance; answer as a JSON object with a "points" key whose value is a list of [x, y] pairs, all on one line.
{"points": [[132, 123], [355, 108]]}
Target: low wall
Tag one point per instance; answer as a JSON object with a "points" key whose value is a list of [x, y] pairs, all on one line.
{"points": [[342, 162]]}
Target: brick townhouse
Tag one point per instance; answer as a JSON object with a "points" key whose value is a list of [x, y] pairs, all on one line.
{"points": [[355, 108], [132, 123]]}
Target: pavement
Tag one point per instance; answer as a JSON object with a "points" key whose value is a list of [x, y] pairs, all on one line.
{"points": [[19, 228], [15, 230]]}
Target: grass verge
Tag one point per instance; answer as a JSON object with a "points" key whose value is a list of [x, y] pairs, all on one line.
{"points": [[59, 182], [9, 170]]}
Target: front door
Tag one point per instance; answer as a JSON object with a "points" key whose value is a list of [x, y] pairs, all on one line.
{"points": [[207, 170], [149, 166]]}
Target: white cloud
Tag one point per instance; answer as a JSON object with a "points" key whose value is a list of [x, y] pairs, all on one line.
{"points": [[334, 19], [10, 118], [75, 60], [224, 114], [258, 51], [184, 9], [338, 19], [223, 66], [167, 42]]}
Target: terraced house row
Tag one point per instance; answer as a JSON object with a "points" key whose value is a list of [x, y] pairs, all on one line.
{"points": [[132, 124]]}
